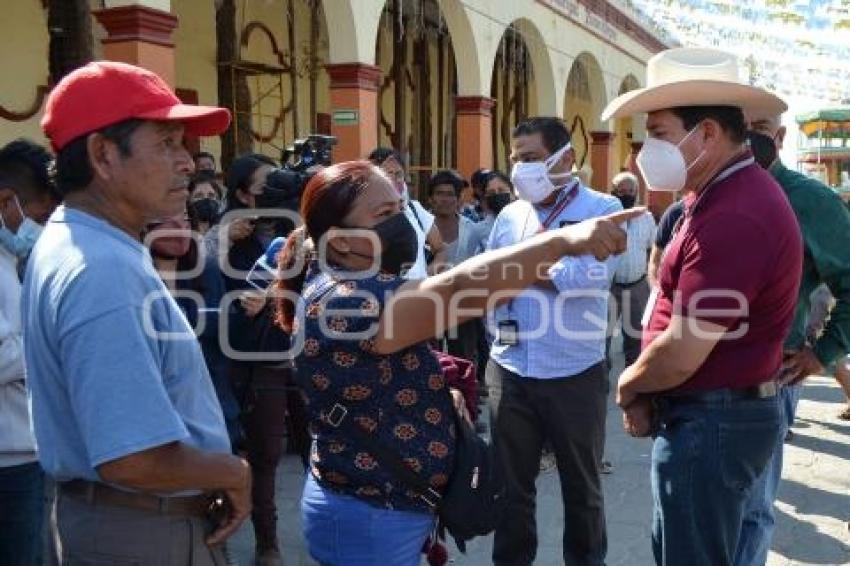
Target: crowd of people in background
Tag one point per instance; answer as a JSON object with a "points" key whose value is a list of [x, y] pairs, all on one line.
{"points": [[141, 245]]}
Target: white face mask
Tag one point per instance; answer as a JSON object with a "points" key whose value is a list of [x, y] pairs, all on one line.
{"points": [[533, 181], [21, 242], [663, 166]]}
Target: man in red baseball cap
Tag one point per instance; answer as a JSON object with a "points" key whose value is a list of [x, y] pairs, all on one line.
{"points": [[124, 411]]}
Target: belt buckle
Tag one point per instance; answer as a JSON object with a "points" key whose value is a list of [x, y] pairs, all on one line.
{"points": [[767, 389], [337, 414]]}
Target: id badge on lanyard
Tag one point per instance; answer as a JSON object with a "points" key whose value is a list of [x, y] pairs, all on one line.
{"points": [[508, 330]]}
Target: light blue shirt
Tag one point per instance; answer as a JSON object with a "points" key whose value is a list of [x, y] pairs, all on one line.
{"points": [[561, 333], [482, 232], [113, 367]]}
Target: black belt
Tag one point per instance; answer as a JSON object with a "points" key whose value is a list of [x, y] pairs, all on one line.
{"points": [[632, 284], [95, 493], [764, 390]]}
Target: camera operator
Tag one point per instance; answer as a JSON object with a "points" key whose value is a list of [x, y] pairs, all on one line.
{"points": [[262, 389]]}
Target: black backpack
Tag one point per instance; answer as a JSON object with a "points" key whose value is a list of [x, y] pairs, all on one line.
{"points": [[473, 500]]}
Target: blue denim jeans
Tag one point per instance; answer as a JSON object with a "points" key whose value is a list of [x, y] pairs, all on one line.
{"points": [[705, 459], [759, 514], [21, 515], [341, 530]]}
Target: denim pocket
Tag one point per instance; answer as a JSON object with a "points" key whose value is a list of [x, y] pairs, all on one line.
{"points": [[744, 449]]}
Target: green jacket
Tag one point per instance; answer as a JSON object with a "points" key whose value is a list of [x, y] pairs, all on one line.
{"points": [[825, 225]]}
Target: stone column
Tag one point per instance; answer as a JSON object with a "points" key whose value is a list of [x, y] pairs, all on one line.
{"points": [[354, 109], [474, 133], [600, 160], [140, 35], [631, 165]]}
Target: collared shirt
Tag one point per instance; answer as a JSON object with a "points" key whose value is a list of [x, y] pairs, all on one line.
{"points": [[113, 366], [735, 262], [633, 263], [562, 333], [825, 225]]}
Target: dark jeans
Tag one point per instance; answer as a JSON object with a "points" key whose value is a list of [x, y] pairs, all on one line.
{"points": [[705, 460], [269, 399], [570, 414], [21, 515], [627, 305]]}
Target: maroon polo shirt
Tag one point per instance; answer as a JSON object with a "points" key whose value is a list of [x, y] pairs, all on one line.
{"points": [[736, 261]]}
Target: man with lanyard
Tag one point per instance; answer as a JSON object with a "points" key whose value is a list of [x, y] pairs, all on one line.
{"points": [[547, 374], [825, 225], [123, 408], [728, 285]]}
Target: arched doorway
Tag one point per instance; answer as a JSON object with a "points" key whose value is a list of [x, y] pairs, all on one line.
{"points": [[624, 129], [271, 59], [416, 99], [513, 75], [583, 105]]}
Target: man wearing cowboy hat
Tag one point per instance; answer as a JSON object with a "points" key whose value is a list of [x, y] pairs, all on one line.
{"points": [[124, 411], [825, 225], [704, 383]]}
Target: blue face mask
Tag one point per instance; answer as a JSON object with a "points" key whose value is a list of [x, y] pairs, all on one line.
{"points": [[20, 243]]}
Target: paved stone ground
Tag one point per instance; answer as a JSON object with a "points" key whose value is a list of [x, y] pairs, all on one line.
{"points": [[814, 498]]}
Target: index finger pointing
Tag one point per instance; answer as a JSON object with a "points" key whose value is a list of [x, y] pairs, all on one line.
{"points": [[624, 215]]}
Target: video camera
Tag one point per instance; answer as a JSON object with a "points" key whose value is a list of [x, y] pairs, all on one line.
{"points": [[285, 185]]}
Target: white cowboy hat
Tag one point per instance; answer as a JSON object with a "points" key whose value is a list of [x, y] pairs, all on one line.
{"points": [[691, 76]]}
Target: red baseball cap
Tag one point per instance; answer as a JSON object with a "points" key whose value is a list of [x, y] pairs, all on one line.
{"points": [[103, 93]]}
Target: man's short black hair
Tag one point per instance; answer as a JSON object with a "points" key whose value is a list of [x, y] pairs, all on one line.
{"points": [[479, 180], [25, 168], [730, 118], [447, 177], [380, 154], [202, 154], [73, 170], [553, 131]]}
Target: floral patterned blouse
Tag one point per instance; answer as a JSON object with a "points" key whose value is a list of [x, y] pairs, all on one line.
{"points": [[401, 398]]}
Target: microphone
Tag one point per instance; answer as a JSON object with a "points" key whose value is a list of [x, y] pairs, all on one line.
{"points": [[264, 271]]}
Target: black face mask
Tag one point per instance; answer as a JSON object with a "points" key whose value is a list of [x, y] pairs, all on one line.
{"points": [[496, 202], [763, 148], [399, 243], [204, 210], [628, 201]]}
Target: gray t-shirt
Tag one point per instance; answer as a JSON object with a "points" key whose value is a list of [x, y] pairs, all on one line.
{"points": [[113, 367]]}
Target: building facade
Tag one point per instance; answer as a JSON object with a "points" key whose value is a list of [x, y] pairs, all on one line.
{"points": [[444, 81]]}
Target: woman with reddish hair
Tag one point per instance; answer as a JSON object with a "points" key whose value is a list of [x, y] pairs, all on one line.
{"points": [[364, 359]]}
